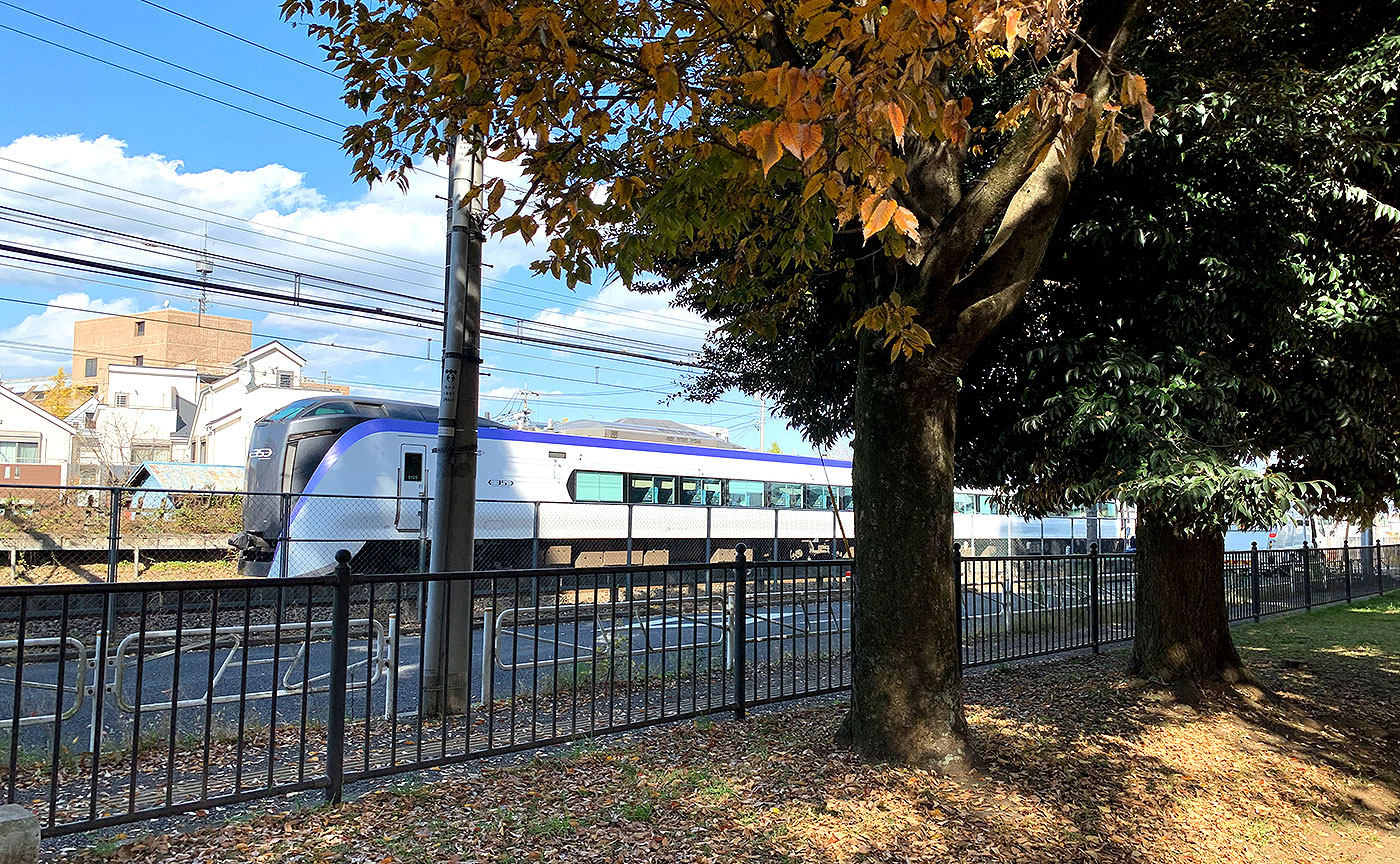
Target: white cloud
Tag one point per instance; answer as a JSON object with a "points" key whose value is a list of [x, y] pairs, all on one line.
{"points": [[508, 392], [614, 310], [51, 327]]}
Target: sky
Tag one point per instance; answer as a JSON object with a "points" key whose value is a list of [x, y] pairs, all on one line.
{"points": [[129, 163]]}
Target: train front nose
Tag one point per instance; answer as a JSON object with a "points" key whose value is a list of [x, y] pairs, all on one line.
{"points": [[254, 553]]}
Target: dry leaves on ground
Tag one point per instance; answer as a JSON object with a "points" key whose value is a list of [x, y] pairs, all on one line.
{"points": [[1083, 765]]}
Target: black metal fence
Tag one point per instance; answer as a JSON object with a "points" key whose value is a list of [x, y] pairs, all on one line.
{"points": [[127, 701]]}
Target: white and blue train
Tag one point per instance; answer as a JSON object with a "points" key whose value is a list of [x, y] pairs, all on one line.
{"points": [[337, 472]]}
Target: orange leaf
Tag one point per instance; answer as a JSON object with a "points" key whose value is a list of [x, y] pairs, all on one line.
{"points": [[1013, 21], [802, 140], [906, 223], [1134, 90], [880, 217], [896, 120], [771, 150]]}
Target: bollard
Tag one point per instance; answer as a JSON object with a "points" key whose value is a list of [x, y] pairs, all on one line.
{"points": [[340, 661], [740, 624], [19, 835]]}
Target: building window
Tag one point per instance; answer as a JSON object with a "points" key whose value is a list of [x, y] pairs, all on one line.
{"points": [[284, 379], [19, 451], [140, 328], [90, 367], [138, 360], [120, 400]]}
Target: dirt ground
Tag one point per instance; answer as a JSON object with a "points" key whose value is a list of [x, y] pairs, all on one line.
{"points": [[1083, 764], [39, 568]]}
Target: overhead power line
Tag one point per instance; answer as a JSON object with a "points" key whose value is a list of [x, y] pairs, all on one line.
{"points": [[114, 65], [261, 230], [653, 320], [332, 305], [210, 78], [205, 24]]}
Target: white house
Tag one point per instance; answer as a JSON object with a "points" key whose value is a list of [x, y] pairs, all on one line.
{"points": [[146, 419], [35, 446], [263, 380]]}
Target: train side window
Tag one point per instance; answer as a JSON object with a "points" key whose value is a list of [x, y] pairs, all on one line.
{"points": [[701, 491], [650, 489], [847, 499], [597, 486], [744, 493], [1108, 509], [412, 467], [987, 506], [817, 497], [785, 496], [964, 502]]}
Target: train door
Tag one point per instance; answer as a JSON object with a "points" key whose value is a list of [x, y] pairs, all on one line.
{"points": [[412, 480]]}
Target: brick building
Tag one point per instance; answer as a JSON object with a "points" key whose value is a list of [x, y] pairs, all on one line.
{"points": [[162, 338]]}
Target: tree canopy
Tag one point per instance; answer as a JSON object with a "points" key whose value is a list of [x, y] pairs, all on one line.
{"points": [[1219, 333], [743, 150]]}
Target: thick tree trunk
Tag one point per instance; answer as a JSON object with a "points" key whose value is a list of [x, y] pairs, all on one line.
{"points": [[1182, 627], [906, 702]]}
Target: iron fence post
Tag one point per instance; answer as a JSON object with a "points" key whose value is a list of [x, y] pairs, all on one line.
{"points": [[958, 590], [1307, 576], [628, 581], [709, 552], [1376, 563], [740, 624], [535, 538], [423, 530], [1094, 596], [1346, 568], [775, 534], [286, 541], [114, 533], [1254, 577], [340, 660]]}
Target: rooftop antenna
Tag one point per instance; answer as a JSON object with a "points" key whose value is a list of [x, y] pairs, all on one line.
{"points": [[203, 267]]}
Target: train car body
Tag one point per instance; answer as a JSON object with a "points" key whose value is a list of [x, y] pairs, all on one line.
{"points": [[333, 472]]}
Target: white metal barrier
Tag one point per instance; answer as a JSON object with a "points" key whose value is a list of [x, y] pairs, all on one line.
{"points": [[378, 661], [74, 649]]}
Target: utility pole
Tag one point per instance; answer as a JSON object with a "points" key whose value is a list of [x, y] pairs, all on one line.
{"points": [[447, 630], [762, 416]]}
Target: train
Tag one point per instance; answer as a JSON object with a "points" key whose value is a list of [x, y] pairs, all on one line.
{"points": [[336, 472]]}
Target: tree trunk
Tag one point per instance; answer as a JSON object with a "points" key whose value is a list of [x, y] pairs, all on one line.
{"points": [[906, 702], [1182, 627]]}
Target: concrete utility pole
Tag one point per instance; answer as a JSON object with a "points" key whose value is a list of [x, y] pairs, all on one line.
{"points": [[447, 631]]}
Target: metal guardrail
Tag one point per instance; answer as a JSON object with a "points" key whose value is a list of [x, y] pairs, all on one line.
{"points": [[266, 687]]}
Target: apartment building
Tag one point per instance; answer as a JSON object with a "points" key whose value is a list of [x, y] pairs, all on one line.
{"points": [[162, 338], [263, 380]]}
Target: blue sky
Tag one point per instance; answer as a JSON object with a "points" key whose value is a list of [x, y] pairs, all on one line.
{"points": [[275, 195]]}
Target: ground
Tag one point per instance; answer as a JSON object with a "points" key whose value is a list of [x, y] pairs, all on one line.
{"points": [[1084, 764]]}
